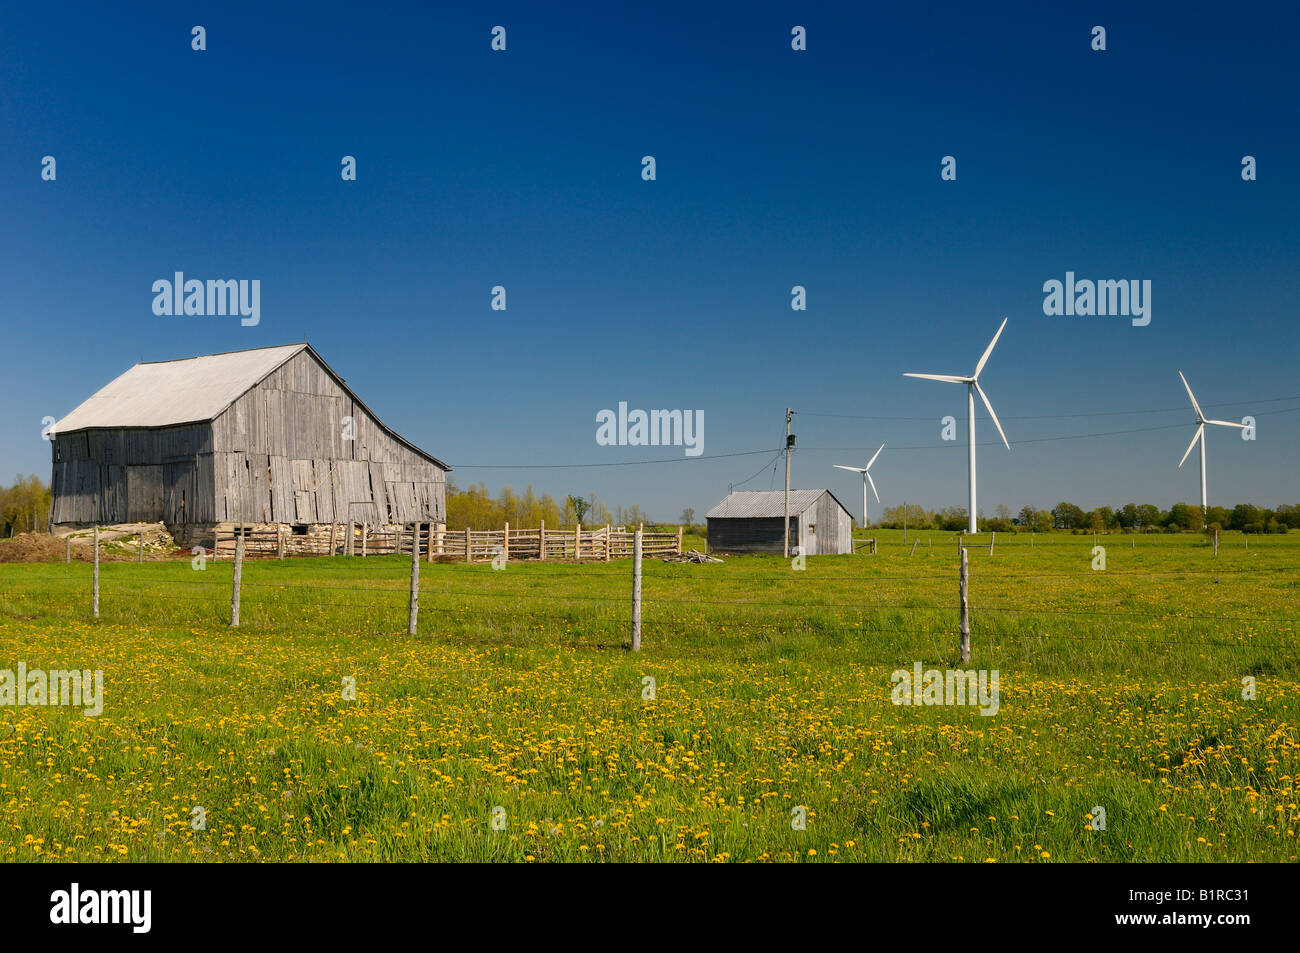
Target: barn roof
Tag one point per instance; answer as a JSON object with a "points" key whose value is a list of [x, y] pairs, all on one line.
{"points": [[191, 390], [170, 393], [764, 504]]}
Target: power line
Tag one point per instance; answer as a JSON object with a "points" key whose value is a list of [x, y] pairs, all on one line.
{"points": [[1080, 436], [617, 463], [932, 446], [775, 456], [1103, 413]]}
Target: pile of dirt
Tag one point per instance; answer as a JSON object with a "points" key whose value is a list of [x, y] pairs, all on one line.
{"points": [[116, 544], [39, 548]]}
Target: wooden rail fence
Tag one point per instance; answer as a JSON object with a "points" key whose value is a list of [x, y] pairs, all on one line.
{"points": [[435, 543]]}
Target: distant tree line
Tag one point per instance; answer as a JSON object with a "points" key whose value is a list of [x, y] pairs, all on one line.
{"points": [[1129, 518], [25, 506], [477, 508]]}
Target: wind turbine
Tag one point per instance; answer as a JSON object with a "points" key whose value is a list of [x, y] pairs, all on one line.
{"points": [[1201, 421], [866, 478], [972, 388]]}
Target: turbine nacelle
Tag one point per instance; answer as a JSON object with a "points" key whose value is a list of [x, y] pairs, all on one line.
{"points": [[972, 388], [866, 478], [973, 382], [1201, 421]]}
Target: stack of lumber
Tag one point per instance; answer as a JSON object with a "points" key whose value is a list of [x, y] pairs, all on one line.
{"points": [[690, 556]]}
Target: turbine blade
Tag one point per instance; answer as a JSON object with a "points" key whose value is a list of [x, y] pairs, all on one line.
{"points": [[873, 459], [950, 378], [840, 466], [984, 397], [1199, 431], [873, 484], [1227, 423], [1195, 405], [989, 350]]}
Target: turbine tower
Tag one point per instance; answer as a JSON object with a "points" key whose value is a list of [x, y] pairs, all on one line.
{"points": [[866, 478], [1201, 421], [972, 388]]}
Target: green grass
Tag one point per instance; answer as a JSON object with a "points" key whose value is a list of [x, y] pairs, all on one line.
{"points": [[1120, 689]]}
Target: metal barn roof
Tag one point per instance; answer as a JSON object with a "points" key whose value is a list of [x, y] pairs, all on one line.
{"points": [[168, 393], [764, 504]]}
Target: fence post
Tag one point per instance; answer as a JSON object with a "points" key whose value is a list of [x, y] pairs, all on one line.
{"points": [[279, 540], [67, 548], [365, 538], [94, 601], [541, 541], [415, 579], [442, 538], [141, 558], [577, 542], [636, 592], [1216, 542], [348, 548], [239, 576], [873, 545], [505, 543], [679, 541], [607, 542], [332, 528], [914, 542], [992, 537], [965, 608]]}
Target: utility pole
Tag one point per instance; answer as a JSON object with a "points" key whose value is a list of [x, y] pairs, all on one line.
{"points": [[789, 442]]}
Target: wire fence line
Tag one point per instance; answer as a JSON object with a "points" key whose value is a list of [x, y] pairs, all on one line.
{"points": [[454, 596]]}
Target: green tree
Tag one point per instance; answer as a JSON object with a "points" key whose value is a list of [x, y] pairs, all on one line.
{"points": [[580, 507], [1069, 516]]}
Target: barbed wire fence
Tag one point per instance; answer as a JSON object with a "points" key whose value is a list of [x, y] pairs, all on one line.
{"points": [[952, 608]]}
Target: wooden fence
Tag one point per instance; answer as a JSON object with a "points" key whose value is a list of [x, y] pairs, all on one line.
{"points": [[572, 545]]}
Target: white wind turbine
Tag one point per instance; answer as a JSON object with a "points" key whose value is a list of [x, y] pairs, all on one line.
{"points": [[972, 388], [1201, 421], [866, 478]]}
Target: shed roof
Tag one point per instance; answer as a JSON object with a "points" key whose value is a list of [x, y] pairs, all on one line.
{"points": [[192, 390], [764, 504]]}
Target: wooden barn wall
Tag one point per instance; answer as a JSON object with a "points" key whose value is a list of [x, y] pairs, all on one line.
{"points": [[281, 457], [834, 527], [750, 535], [133, 475]]}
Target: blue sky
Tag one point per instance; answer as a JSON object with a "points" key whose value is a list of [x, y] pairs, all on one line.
{"points": [[775, 168]]}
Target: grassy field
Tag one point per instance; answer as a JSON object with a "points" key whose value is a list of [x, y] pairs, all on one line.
{"points": [[517, 700]]}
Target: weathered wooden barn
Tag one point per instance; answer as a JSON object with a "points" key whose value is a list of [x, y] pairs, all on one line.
{"points": [[751, 521], [265, 436]]}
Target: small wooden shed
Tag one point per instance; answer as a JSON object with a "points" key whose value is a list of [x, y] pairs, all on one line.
{"points": [[751, 521]]}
